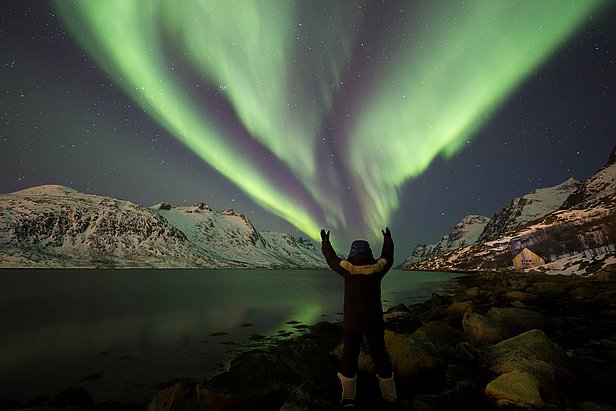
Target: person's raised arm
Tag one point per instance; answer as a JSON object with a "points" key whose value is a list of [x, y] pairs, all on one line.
{"points": [[388, 248], [330, 254]]}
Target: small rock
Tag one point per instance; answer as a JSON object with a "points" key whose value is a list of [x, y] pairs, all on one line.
{"points": [[606, 298], [401, 321], [466, 353], [519, 304], [515, 295], [549, 290], [476, 293], [398, 308]]}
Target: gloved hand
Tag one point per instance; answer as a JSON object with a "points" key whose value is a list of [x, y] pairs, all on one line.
{"points": [[324, 235], [386, 233]]}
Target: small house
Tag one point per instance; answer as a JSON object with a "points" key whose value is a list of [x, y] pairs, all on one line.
{"points": [[527, 259]]}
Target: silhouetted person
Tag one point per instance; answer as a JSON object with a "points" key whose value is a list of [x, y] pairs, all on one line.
{"points": [[363, 312]]}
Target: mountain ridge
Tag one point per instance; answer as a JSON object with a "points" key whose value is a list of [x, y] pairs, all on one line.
{"points": [[56, 226], [582, 231]]}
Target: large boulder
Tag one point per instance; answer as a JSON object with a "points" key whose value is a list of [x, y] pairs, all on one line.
{"points": [[518, 320], [414, 362], [481, 330], [539, 366], [441, 335]]}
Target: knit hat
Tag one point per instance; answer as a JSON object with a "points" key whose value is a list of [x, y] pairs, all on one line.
{"points": [[360, 253]]}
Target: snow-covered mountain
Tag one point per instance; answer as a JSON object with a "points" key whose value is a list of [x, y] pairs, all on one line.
{"points": [[585, 225], [474, 229], [464, 233], [531, 206], [56, 226]]}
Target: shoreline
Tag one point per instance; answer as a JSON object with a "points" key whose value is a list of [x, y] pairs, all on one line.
{"points": [[445, 353]]}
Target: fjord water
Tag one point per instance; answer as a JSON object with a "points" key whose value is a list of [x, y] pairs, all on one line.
{"points": [[117, 333]]}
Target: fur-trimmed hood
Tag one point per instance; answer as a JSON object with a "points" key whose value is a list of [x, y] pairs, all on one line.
{"points": [[367, 269]]}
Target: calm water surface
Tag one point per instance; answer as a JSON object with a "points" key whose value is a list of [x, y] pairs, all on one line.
{"points": [[118, 333]]}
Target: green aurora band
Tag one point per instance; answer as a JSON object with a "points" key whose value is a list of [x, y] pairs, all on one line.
{"points": [[444, 75]]}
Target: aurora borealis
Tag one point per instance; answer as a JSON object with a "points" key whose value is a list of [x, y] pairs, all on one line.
{"points": [[322, 113]]}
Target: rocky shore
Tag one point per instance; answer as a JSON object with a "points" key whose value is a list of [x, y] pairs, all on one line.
{"points": [[502, 341]]}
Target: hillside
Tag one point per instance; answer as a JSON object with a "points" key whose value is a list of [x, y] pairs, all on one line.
{"points": [[56, 226], [578, 237]]}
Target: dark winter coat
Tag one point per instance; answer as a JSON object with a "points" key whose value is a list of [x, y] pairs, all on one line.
{"points": [[362, 274]]}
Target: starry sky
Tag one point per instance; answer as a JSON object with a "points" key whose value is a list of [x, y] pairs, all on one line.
{"points": [[351, 115]]}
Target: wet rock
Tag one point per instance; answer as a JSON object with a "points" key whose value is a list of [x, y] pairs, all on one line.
{"points": [[179, 397], [518, 320], [481, 330]]}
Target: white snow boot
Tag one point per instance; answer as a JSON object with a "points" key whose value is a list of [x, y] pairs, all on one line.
{"points": [[348, 390], [388, 388]]}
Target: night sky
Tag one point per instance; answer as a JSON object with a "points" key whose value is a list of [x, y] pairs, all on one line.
{"points": [[345, 115]]}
